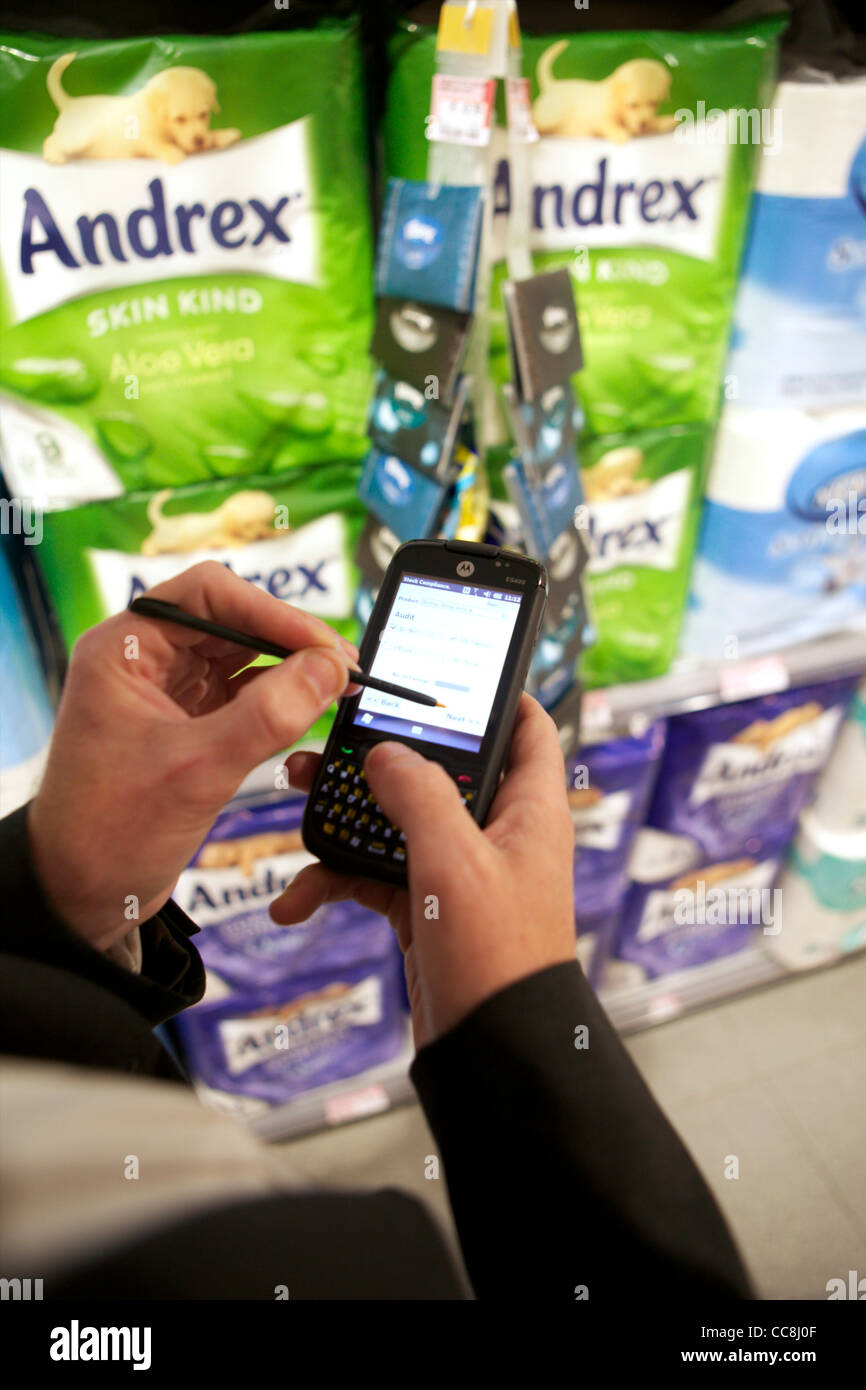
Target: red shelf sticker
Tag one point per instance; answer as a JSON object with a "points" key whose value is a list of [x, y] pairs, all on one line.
{"points": [[595, 711], [461, 110], [664, 1006], [518, 104], [368, 1100]]}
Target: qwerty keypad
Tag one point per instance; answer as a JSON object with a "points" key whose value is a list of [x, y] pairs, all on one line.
{"points": [[350, 816]]}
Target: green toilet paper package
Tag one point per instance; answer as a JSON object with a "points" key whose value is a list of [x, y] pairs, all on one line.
{"points": [[648, 211], [186, 287], [642, 506]]}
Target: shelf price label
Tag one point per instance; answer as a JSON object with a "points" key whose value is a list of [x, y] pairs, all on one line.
{"points": [[519, 107], [664, 1006], [461, 110], [596, 716], [353, 1105], [742, 680]]}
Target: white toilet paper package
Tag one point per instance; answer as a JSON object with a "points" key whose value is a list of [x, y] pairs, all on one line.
{"points": [[839, 807], [799, 334], [823, 887], [823, 883], [186, 259], [782, 548], [640, 185]]}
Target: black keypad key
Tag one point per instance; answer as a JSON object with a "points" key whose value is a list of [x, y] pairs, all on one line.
{"points": [[350, 814]]}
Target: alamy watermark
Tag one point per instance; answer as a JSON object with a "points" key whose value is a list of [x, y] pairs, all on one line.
{"points": [[737, 126], [21, 517], [847, 515], [715, 906], [21, 1290]]}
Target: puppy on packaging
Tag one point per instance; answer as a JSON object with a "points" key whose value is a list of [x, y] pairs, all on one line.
{"points": [[168, 119], [618, 108]]}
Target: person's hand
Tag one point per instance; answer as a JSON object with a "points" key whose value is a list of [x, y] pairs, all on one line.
{"points": [[154, 735], [484, 908]]}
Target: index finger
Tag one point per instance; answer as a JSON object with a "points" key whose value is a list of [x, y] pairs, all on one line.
{"points": [[535, 772], [211, 591]]}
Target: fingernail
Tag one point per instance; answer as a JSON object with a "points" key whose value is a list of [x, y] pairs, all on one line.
{"points": [[326, 673]]}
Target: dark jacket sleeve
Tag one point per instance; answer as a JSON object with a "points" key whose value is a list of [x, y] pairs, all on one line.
{"points": [[62, 999], [566, 1180], [318, 1245]]}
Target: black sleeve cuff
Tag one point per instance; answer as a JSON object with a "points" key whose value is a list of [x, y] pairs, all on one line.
{"points": [[558, 1158], [172, 975]]}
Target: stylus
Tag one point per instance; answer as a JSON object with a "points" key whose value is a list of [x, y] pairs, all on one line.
{"points": [[170, 613]]}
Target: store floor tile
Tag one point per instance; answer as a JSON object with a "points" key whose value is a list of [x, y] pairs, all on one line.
{"points": [[824, 1098], [776, 1079], [792, 1230]]}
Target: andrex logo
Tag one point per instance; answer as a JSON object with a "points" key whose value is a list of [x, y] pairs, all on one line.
{"points": [[293, 585], [110, 224], [148, 231], [638, 530], [643, 529], [603, 199], [307, 567], [652, 192]]}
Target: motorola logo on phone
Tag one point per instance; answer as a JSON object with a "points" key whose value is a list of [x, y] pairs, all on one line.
{"points": [[465, 568]]}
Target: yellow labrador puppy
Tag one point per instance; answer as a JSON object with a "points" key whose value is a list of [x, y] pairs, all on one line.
{"points": [[168, 119], [618, 108], [245, 516]]}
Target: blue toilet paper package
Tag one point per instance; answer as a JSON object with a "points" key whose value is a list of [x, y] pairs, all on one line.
{"points": [[799, 334], [782, 548], [26, 715]]}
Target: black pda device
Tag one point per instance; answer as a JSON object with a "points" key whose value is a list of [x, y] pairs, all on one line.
{"points": [[454, 620]]}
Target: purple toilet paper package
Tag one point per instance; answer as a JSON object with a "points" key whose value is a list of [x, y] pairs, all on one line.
{"points": [[701, 914], [287, 1008], [735, 778], [609, 787], [312, 1029], [733, 782], [247, 860]]}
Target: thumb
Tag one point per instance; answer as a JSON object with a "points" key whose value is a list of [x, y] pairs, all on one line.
{"points": [[420, 797], [274, 710]]}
